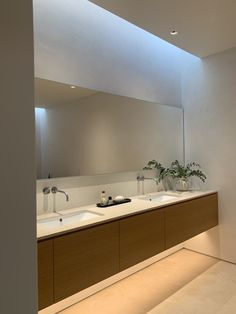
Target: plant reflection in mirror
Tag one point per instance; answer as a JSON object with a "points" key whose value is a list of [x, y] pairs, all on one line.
{"points": [[155, 165]]}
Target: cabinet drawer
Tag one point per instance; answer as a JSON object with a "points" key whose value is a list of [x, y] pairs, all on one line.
{"points": [[45, 273], [141, 237], [187, 219], [84, 258]]}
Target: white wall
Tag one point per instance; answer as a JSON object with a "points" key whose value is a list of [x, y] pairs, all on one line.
{"points": [[79, 43], [17, 185], [105, 133], [209, 100]]}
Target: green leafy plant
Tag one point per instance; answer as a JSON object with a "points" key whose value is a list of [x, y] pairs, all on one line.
{"points": [[176, 170], [192, 169]]}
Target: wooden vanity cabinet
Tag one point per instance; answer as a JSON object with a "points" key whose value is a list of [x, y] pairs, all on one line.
{"points": [[141, 237], [84, 258], [71, 262], [187, 219], [45, 273]]}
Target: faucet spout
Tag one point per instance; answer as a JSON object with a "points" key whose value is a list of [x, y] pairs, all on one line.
{"points": [[56, 190], [142, 178]]}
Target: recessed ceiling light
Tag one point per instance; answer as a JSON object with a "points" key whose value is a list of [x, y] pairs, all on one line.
{"points": [[174, 33], [72, 86]]}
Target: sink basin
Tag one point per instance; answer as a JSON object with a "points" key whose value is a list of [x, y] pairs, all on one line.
{"points": [[159, 197], [68, 219]]}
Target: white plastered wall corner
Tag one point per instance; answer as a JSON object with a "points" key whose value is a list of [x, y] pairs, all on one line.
{"points": [[18, 227], [208, 96]]}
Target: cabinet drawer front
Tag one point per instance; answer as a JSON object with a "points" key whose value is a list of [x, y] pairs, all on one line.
{"points": [[45, 273], [84, 258], [141, 237], [187, 219]]}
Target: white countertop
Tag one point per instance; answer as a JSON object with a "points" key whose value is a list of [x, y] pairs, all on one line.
{"points": [[113, 212]]}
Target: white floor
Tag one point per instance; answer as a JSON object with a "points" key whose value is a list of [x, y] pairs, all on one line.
{"points": [[183, 283], [213, 292]]}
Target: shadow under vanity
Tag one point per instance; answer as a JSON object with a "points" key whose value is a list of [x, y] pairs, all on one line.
{"points": [[77, 258]]}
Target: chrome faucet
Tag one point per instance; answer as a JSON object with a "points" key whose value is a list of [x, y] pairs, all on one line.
{"points": [[142, 178], [54, 190]]}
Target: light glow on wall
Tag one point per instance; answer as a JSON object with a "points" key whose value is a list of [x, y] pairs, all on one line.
{"points": [[78, 43]]}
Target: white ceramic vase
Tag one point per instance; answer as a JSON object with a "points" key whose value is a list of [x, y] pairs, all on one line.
{"points": [[182, 184]]}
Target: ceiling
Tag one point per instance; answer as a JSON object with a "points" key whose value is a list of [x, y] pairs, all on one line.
{"points": [[204, 27], [50, 93]]}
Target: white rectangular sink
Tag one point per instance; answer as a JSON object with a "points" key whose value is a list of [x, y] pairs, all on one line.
{"points": [[163, 197], [68, 219]]}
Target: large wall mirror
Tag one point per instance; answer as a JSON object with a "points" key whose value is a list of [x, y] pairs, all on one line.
{"points": [[86, 132]]}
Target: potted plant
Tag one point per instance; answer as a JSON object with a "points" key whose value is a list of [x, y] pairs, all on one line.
{"points": [[177, 171], [183, 173]]}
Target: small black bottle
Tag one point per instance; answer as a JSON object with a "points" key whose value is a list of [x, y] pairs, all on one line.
{"points": [[110, 200]]}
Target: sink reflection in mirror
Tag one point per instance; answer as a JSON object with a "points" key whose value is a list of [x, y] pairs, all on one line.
{"points": [[64, 220]]}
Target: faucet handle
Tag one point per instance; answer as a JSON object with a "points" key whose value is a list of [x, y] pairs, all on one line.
{"points": [[46, 190]]}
